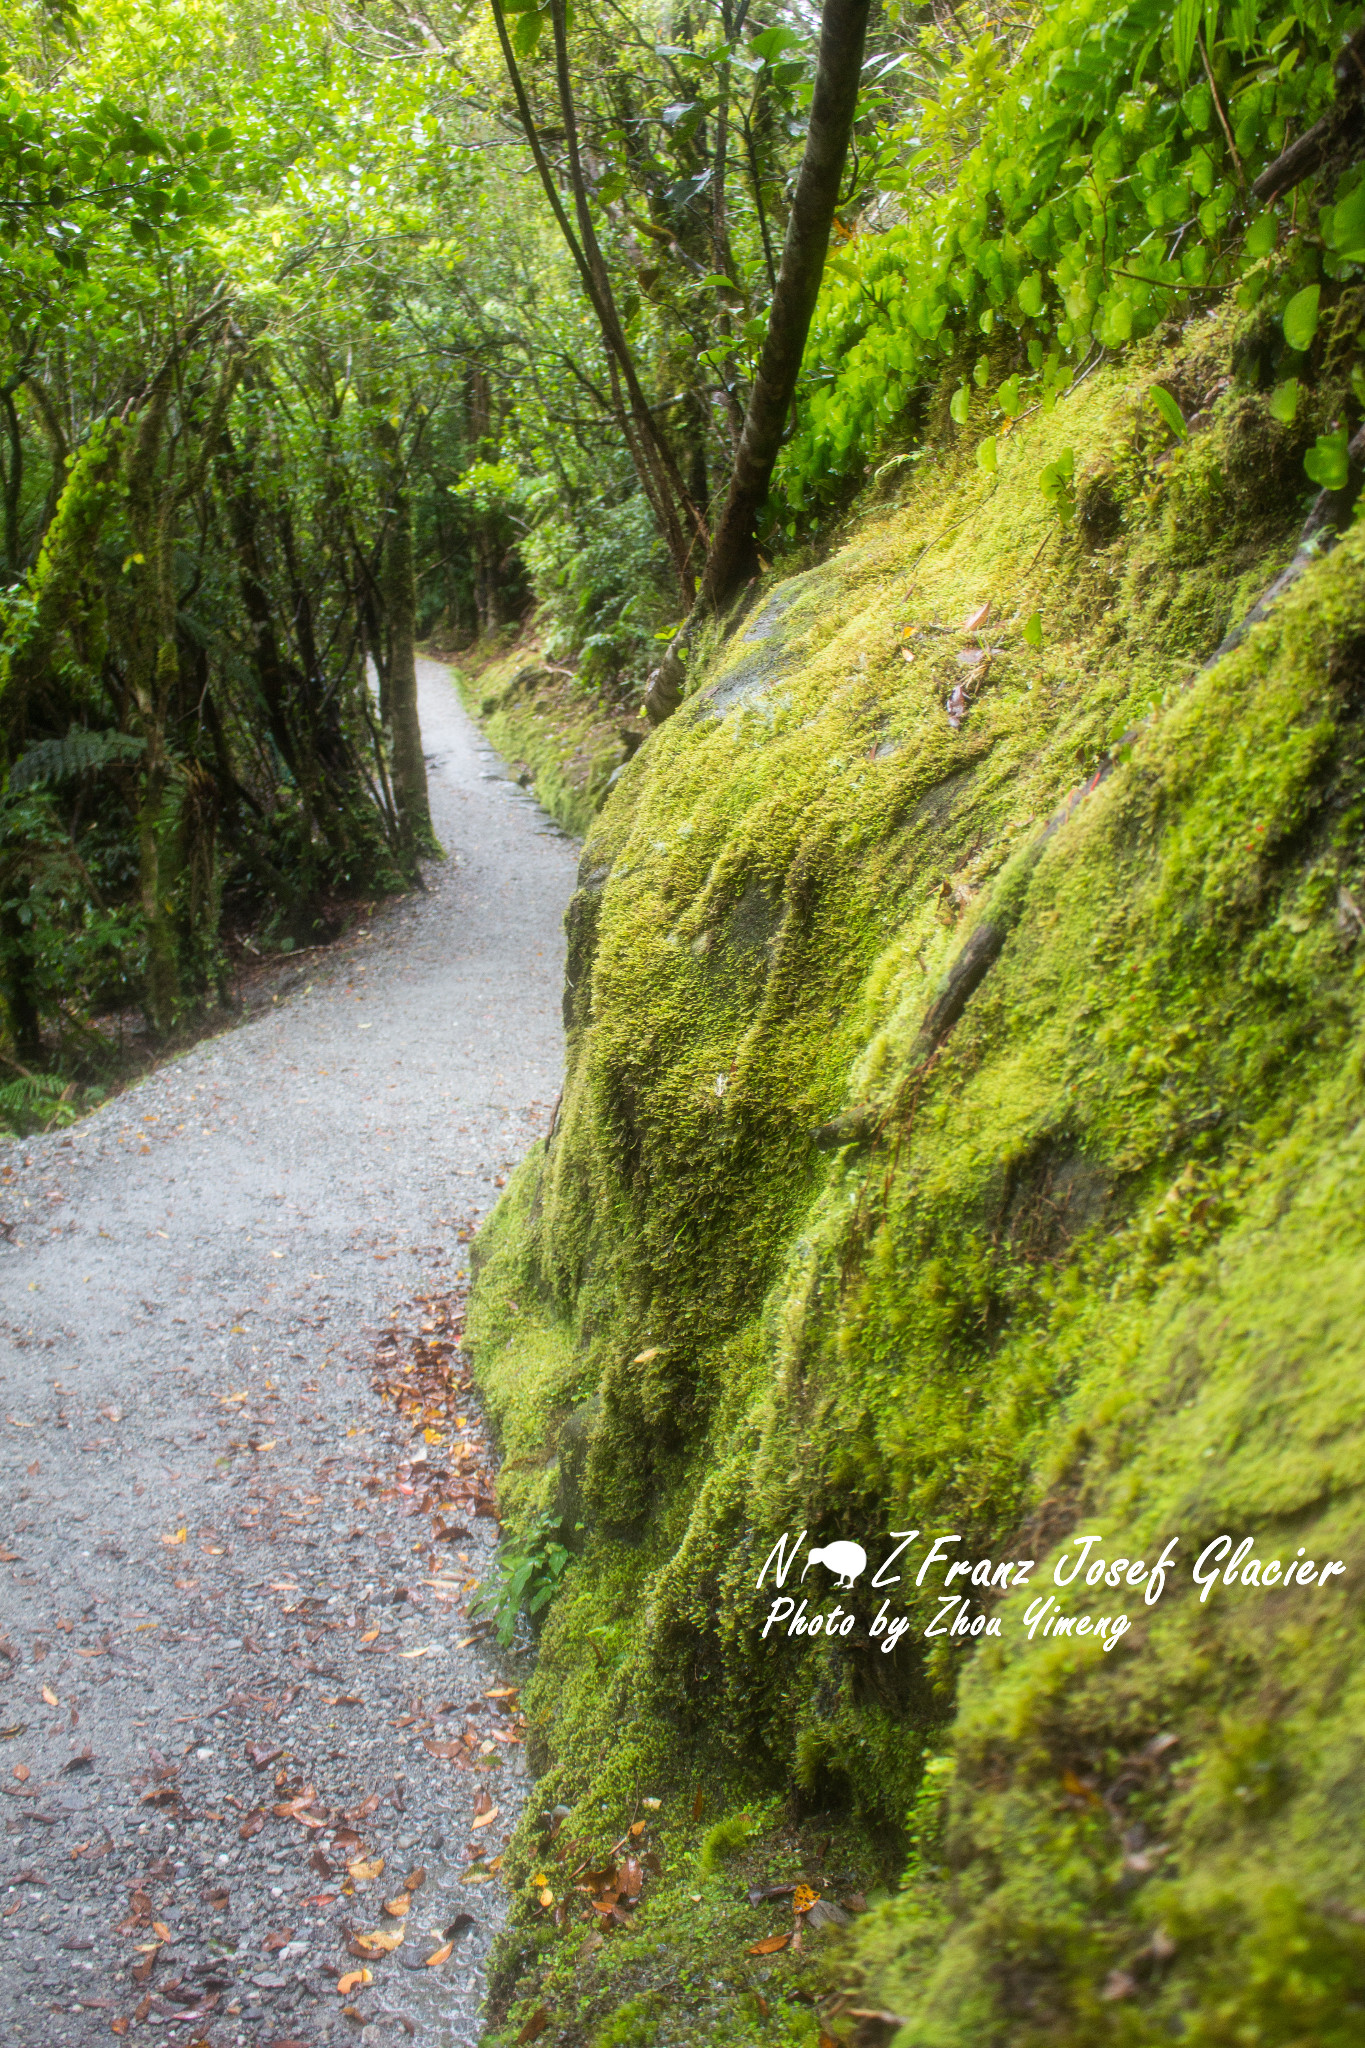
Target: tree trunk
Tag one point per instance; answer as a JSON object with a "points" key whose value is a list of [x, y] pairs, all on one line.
{"points": [[153, 673], [399, 583], [731, 559]]}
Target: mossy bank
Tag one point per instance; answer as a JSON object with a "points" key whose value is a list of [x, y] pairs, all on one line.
{"points": [[561, 738], [1087, 1258]]}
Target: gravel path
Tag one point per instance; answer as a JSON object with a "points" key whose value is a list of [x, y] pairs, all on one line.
{"points": [[195, 1281]]}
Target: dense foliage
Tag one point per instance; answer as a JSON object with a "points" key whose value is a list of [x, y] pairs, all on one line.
{"points": [[1107, 191]]}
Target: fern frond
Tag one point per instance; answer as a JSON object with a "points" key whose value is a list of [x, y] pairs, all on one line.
{"points": [[80, 753]]}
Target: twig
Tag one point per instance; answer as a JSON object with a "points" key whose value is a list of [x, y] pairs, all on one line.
{"points": [[1222, 117]]}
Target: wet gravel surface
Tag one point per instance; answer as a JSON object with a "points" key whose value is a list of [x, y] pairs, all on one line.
{"points": [[237, 1668]]}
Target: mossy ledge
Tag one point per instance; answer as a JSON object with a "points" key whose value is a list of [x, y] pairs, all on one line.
{"points": [[560, 736], [1098, 1265]]}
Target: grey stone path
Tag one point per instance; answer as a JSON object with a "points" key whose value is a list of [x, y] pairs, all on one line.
{"points": [[190, 1292]]}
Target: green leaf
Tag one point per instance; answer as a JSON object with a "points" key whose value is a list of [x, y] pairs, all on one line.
{"points": [[1033, 630], [1165, 404], [1284, 401], [1301, 318], [773, 41], [986, 455], [528, 31], [1031, 295], [1327, 462], [1261, 236], [1008, 396], [1189, 15], [960, 404], [1347, 231]]}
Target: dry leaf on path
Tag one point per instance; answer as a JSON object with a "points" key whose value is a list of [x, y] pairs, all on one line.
{"points": [[396, 1908], [769, 1947], [364, 1871], [439, 1956], [352, 1981]]}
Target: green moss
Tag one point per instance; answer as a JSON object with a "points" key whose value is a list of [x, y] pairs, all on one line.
{"points": [[560, 736], [1098, 1266]]}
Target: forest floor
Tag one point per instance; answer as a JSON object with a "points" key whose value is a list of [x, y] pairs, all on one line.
{"points": [[236, 1664]]}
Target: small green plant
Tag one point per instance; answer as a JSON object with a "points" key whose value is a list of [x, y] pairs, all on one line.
{"points": [[726, 1839], [1057, 482], [529, 1570], [38, 1102]]}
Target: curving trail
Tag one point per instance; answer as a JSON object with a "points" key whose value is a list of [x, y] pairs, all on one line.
{"points": [[243, 1223]]}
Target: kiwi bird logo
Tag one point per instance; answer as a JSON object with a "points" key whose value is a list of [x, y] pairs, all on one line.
{"points": [[847, 1559]]}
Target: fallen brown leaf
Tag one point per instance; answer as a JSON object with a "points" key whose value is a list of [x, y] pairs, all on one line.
{"points": [[253, 1823], [178, 1537], [363, 1871], [415, 1879], [439, 1955], [382, 1942], [396, 1908], [535, 2026], [280, 1939], [352, 1981], [769, 1947], [50, 1696]]}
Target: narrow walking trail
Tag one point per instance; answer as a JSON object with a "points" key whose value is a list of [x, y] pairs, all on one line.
{"points": [[234, 1670]]}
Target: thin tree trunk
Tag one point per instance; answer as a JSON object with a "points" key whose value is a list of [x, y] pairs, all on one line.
{"points": [[399, 584], [732, 558], [155, 671], [14, 482], [666, 491]]}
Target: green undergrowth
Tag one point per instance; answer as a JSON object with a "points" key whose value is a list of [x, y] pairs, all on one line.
{"points": [[561, 735], [1096, 1267]]}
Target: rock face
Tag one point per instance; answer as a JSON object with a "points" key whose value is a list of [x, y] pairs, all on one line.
{"points": [[1058, 1263]]}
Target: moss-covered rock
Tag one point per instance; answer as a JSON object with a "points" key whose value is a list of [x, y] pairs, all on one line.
{"points": [[1090, 1261]]}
